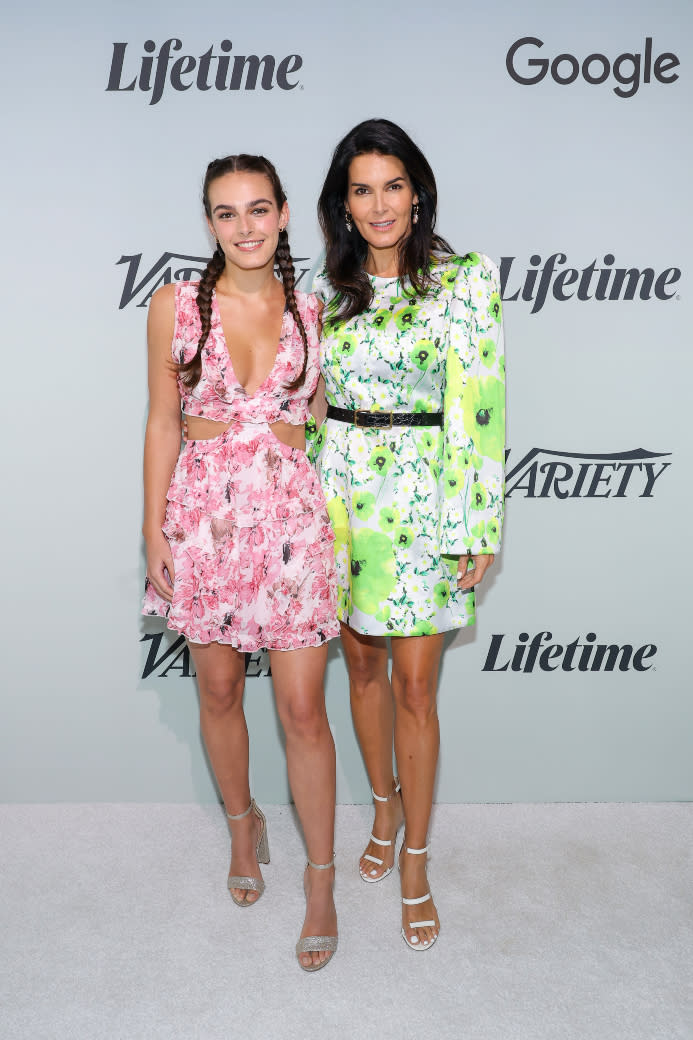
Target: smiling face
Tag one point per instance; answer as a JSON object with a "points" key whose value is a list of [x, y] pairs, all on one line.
{"points": [[246, 219], [380, 197]]}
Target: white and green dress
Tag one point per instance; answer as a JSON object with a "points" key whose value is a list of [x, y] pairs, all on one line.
{"points": [[406, 502]]}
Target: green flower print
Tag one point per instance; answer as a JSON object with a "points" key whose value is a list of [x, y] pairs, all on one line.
{"points": [[347, 345], [384, 613], [454, 482], [388, 520], [423, 353], [364, 504], [339, 518], [469, 260], [404, 536], [447, 279], [478, 496], [441, 593], [423, 628], [487, 349], [492, 532], [381, 459], [484, 415], [478, 529], [422, 406], [454, 374], [406, 317], [372, 570], [495, 308], [381, 318]]}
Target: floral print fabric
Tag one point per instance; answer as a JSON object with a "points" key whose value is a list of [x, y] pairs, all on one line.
{"points": [[246, 520], [406, 502]]}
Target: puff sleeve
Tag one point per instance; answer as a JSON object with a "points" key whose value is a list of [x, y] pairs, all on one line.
{"points": [[472, 476]]}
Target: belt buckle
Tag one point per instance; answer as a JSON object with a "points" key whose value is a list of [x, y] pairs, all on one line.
{"points": [[374, 426]]}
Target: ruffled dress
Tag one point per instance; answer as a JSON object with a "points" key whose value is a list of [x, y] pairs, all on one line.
{"points": [[246, 520]]}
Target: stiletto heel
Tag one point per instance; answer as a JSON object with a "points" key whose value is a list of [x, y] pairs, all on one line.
{"points": [[380, 841], [317, 943], [251, 884], [415, 902]]}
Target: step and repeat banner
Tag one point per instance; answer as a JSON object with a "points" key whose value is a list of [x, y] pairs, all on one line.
{"points": [[560, 139]]}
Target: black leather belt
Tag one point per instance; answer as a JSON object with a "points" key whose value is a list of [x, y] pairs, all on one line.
{"points": [[384, 420]]}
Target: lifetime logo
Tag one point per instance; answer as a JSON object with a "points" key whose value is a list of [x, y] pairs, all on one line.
{"points": [[629, 70], [588, 656], [203, 72], [604, 282], [541, 473]]}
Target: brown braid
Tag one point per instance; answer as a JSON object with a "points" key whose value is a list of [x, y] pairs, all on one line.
{"points": [[192, 370], [288, 275]]}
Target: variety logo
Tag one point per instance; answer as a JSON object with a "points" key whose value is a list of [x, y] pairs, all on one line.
{"points": [[586, 656], [565, 474], [175, 657], [629, 70], [604, 282], [173, 267], [158, 67]]}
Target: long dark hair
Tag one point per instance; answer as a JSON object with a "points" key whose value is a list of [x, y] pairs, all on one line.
{"points": [[191, 370], [347, 250]]}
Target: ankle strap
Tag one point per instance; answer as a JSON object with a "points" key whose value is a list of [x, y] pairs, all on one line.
{"points": [[379, 797], [416, 852], [240, 816], [321, 866]]}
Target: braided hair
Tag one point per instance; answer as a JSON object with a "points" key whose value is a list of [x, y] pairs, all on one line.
{"points": [[190, 371]]}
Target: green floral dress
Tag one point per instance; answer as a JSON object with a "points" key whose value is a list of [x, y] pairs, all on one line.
{"points": [[406, 502]]}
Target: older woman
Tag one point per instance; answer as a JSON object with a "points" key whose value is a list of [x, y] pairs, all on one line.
{"points": [[411, 461]]}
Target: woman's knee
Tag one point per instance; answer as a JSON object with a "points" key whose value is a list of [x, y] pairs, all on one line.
{"points": [[415, 695], [305, 718], [221, 695]]}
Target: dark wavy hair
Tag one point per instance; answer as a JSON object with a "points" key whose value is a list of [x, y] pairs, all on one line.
{"points": [[346, 251], [191, 370]]}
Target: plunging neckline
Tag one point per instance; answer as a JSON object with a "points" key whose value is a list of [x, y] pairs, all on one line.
{"points": [[280, 347]]}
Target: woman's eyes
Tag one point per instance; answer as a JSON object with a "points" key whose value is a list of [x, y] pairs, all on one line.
{"points": [[259, 211], [390, 187]]}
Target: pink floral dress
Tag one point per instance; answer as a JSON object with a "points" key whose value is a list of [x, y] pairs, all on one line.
{"points": [[251, 540]]}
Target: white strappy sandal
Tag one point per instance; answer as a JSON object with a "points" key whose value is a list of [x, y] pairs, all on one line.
{"points": [[251, 884], [379, 841], [419, 946]]}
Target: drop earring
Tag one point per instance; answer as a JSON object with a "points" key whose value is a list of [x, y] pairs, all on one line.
{"points": [[415, 213], [347, 220]]}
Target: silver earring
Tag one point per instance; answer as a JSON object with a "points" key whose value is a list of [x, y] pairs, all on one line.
{"points": [[347, 220], [415, 213]]}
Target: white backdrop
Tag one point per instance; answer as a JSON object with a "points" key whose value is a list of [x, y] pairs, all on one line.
{"points": [[101, 190]]}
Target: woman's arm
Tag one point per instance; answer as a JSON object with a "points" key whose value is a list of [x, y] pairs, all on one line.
{"points": [[162, 437], [474, 432]]}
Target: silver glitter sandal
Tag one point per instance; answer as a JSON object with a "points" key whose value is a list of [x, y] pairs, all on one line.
{"points": [[251, 884], [368, 878], [426, 945], [317, 943]]}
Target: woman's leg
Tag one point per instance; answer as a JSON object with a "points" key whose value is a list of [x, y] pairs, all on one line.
{"points": [[221, 680], [373, 714], [415, 663], [298, 683]]}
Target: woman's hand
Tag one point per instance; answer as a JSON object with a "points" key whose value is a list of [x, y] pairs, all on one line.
{"points": [[468, 577], [184, 427], [159, 562]]}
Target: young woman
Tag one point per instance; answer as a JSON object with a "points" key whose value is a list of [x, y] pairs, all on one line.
{"points": [[239, 545], [411, 462]]}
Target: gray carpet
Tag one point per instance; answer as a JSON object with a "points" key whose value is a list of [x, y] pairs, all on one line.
{"points": [[559, 922]]}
